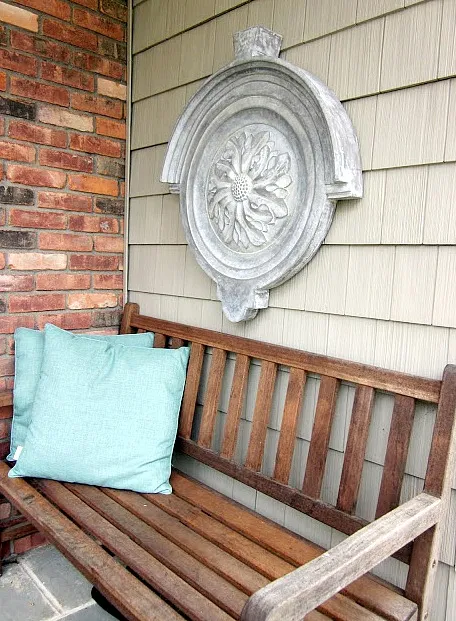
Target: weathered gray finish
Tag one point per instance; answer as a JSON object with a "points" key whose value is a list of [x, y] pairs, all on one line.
{"points": [[301, 591], [260, 156]]}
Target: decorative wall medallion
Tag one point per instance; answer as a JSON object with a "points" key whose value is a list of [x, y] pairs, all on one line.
{"points": [[260, 156]]}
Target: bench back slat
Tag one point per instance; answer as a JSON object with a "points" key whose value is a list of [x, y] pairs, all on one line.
{"points": [[261, 414], [235, 406], [356, 449], [159, 340], [396, 454], [192, 383], [212, 398], [288, 428], [318, 450]]}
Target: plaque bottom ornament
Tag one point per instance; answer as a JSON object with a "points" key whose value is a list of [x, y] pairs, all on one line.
{"points": [[260, 156]]}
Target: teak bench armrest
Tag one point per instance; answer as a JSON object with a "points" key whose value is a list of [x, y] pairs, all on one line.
{"points": [[302, 590]]}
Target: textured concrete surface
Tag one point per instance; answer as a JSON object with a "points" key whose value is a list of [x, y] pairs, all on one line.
{"points": [[44, 586]]}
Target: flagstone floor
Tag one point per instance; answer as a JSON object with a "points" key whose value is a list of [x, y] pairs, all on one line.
{"points": [[43, 586]]}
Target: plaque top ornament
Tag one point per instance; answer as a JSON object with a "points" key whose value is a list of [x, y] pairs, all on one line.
{"points": [[260, 156]]}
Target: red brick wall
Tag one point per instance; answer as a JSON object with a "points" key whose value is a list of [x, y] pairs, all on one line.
{"points": [[62, 166]]}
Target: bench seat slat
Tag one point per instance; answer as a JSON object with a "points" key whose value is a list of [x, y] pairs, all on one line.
{"points": [[198, 575], [366, 590], [170, 586], [131, 597], [238, 573]]}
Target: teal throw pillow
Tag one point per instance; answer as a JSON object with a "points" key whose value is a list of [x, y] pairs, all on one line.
{"points": [[104, 414], [29, 346]]}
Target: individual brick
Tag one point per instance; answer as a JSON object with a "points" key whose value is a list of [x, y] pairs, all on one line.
{"points": [[68, 76], [97, 105], [2, 81], [112, 89], [3, 310], [62, 159], [110, 167], [20, 109], [9, 324], [4, 36], [115, 9], [22, 545], [40, 91], [17, 152], [79, 301], [18, 62], [93, 184], [60, 282], [10, 195], [10, 14], [35, 303], [109, 244], [17, 239], [105, 319], [56, 8], [6, 368], [36, 261], [107, 47], [93, 262], [98, 24], [65, 118], [108, 127], [5, 510], [113, 206], [2, 261], [93, 224], [37, 134], [107, 281], [37, 219], [97, 64], [66, 321], [13, 282], [70, 34], [36, 176], [94, 144], [67, 202], [65, 241], [90, 4], [41, 47]]}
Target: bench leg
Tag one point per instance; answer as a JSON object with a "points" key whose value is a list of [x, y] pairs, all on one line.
{"points": [[106, 605]]}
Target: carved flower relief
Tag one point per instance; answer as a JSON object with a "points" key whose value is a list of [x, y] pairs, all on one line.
{"points": [[247, 190]]}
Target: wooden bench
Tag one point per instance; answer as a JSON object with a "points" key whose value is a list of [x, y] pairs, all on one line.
{"points": [[199, 555]]}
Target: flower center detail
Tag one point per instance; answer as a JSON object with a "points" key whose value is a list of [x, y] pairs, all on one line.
{"points": [[241, 187]]}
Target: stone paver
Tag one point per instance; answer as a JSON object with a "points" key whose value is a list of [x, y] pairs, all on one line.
{"points": [[44, 586]]}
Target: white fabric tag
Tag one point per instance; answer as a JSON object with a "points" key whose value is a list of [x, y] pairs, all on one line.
{"points": [[17, 453]]}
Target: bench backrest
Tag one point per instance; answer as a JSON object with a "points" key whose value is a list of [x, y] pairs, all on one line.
{"points": [[215, 439]]}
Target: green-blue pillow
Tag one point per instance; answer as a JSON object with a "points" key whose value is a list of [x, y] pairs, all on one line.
{"points": [[29, 346], [104, 414]]}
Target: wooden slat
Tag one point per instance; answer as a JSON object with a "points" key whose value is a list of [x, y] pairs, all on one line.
{"points": [[159, 340], [366, 590], [318, 449], [170, 586], [177, 342], [288, 428], [317, 509], [18, 530], [192, 382], [235, 406], [307, 587], [126, 593], [192, 571], [261, 415], [212, 397], [356, 449], [423, 565], [396, 454], [383, 379], [233, 570], [129, 310]]}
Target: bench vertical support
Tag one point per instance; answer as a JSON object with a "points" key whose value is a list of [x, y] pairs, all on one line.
{"points": [[131, 308], [424, 561]]}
